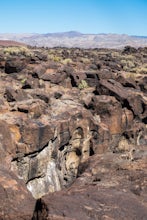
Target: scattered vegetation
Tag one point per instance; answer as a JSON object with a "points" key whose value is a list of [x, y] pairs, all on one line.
{"points": [[83, 85], [17, 51], [119, 60], [23, 80], [141, 69], [54, 58], [127, 65], [66, 61]]}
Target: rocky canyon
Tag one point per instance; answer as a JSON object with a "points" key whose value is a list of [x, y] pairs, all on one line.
{"points": [[73, 133]]}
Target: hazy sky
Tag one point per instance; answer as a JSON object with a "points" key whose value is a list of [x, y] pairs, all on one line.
{"points": [[87, 16]]}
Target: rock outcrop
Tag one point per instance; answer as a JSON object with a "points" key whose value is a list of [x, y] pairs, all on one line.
{"points": [[16, 202], [73, 121]]}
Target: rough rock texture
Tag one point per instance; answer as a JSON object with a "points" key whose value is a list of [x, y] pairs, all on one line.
{"points": [[73, 121], [16, 202], [110, 187]]}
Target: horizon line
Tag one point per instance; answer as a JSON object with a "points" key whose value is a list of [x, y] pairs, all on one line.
{"points": [[78, 32]]}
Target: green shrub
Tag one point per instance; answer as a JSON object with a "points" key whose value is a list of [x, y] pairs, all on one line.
{"points": [[127, 64], [66, 61], [23, 81], [83, 84], [143, 70], [54, 57], [18, 51]]}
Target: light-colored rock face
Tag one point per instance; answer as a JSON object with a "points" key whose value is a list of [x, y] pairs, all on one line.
{"points": [[56, 165], [50, 167], [42, 185], [39, 172]]}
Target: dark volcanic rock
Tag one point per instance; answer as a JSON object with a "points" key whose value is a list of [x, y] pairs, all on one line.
{"points": [[14, 95], [73, 121], [109, 189], [14, 65], [130, 98], [55, 78], [7, 144], [91, 203], [16, 202], [35, 134]]}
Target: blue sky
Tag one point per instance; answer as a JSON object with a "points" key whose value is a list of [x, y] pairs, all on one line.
{"points": [[86, 16]]}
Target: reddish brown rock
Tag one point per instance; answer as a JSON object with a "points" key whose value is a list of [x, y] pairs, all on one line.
{"points": [[35, 134], [96, 195], [55, 78], [110, 112], [78, 128], [9, 43], [91, 203], [14, 95], [16, 202], [7, 144]]}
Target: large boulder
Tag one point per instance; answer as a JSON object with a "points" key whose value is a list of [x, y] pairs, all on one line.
{"points": [[16, 201], [14, 65], [109, 187]]}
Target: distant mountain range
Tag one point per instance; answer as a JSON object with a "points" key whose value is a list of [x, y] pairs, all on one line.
{"points": [[77, 39]]}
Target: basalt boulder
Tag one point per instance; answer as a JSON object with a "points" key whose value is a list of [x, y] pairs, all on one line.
{"points": [[14, 65], [16, 201]]}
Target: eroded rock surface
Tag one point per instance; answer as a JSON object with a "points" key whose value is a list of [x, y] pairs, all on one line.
{"points": [[74, 121], [16, 202]]}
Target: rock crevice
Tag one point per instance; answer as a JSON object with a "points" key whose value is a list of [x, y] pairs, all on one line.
{"points": [[73, 133]]}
